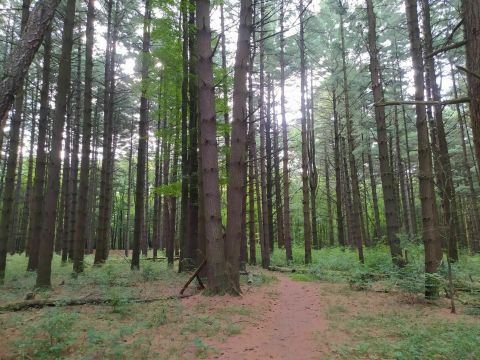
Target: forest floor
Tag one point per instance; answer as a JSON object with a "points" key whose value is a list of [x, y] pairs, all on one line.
{"points": [[279, 316]]}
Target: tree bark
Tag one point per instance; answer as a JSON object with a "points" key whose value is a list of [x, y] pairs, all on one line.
{"points": [[277, 179], [53, 174], [444, 173], [14, 72], [36, 215], [216, 267], [142, 144], [471, 16], [236, 191], [386, 167], [338, 174], [431, 239], [307, 226], [105, 203], [20, 59], [355, 222], [81, 234], [286, 181], [185, 262]]}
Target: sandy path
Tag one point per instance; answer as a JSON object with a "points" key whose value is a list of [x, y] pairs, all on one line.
{"points": [[293, 321]]}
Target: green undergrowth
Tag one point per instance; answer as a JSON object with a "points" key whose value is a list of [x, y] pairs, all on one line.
{"points": [[406, 336], [113, 279], [164, 329], [337, 265]]}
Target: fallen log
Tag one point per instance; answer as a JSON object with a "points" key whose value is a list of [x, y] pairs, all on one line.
{"points": [[39, 304]]}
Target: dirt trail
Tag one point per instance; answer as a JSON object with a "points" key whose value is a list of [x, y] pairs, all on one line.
{"points": [[289, 330]]}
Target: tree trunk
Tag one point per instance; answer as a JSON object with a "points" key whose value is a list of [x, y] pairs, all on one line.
{"points": [[338, 174], [263, 134], [269, 168], [226, 133], [36, 215], [236, 191], [431, 239], [63, 215], [142, 145], [467, 174], [407, 216], [331, 234], [20, 59], [313, 173], [278, 179], [471, 24], [81, 234], [25, 219], [53, 174], [216, 267], [444, 173], [286, 181], [12, 86], [355, 222], [386, 167], [13, 237], [74, 168], [307, 226], [185, 262], [193, 203]]}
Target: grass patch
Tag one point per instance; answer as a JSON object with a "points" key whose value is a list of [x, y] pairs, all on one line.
{"points": [[302, 277], [416, 336]]}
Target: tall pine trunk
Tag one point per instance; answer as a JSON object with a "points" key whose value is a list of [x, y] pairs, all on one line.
{"points": [[355, 221], [386, 167], [431, 238], [80, 239], [236, 191], [307, 226], [142, 145], [54, 163]]}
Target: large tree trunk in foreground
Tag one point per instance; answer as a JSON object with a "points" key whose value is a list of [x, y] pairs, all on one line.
{"points": [[53, 176], [236, 192], [216, 268], [431, 238]]}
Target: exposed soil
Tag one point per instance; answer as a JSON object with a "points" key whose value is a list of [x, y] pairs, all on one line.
{"points": [[291, 323]]}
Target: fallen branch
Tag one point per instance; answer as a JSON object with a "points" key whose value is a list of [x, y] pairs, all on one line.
{"points": [[194, 275], [39, 304]]}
